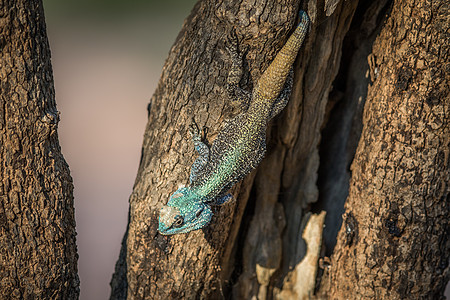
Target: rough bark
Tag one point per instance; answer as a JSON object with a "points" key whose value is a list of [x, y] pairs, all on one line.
{"points": [[38, 257], [393, 243]]}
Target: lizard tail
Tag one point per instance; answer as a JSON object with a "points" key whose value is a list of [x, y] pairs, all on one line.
{"points": [[272, 81]]}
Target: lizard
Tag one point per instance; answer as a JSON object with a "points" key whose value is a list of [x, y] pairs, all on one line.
{"points": [[240, 145]]}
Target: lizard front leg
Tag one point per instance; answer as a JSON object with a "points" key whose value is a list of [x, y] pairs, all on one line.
{"points": [[237, 95], [201, 148], [221, 199]]}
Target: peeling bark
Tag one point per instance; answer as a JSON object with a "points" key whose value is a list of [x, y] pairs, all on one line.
{"points": [[394, 240], [38, 257]]}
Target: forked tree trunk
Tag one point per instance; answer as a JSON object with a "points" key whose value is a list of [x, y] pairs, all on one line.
{"points": [[38, 257], [394, 241], [266, 244]]}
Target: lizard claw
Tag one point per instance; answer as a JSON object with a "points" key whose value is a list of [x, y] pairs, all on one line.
{"points": [[193, 130], [196, 133]]}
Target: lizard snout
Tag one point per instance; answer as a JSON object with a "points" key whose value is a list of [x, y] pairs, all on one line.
{"points": [[167, 216]]}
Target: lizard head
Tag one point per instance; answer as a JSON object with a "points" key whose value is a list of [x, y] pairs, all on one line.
{"points": [[184, 212]]}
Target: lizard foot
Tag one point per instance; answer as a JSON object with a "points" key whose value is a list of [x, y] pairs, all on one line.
{"points": [[194, 131], [240, 98], [232, 46]]}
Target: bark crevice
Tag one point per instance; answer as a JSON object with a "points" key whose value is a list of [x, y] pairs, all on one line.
{"points": [[343, 120]]}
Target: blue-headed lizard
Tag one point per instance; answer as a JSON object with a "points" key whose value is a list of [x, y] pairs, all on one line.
{"points": [[240, 146]]}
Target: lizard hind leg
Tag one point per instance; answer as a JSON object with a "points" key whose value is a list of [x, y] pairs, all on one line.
{"points": [[283, 98], [201, 148], [238, 96]]}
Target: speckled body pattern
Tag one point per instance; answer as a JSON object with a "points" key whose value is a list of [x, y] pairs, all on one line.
{"points": [[240, 146]]}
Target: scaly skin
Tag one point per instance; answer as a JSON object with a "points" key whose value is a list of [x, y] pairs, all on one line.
{"points": [[240, 146]]}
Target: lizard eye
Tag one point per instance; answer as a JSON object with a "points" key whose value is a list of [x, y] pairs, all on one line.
{"points": [[178, 221]]}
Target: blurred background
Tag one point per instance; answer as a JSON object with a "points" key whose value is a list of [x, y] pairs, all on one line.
{"points": [[107, 56]]}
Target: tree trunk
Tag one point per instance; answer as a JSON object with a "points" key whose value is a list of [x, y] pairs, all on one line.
{"points": [[266, 244], [394, 242], [38, 258]]}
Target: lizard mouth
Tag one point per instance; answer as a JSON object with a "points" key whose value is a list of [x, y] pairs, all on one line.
{"points": [[167, 216]]}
